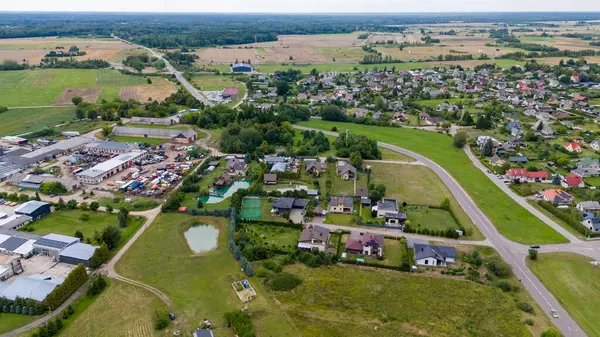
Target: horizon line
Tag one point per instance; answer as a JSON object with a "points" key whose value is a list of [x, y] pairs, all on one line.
{"points": [[293, 13]]}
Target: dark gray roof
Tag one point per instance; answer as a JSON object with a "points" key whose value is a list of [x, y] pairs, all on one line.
{"points": [[438, 252], [270, 177], [518, 159], [316, 232], [346, 201], [12, 243], [399, 215], [151, 132], [283, 203], [387, 205], [81, 251], [30, 207], [300, 203], [55, 241], [203, 333], [274, 159], [108, 145]]}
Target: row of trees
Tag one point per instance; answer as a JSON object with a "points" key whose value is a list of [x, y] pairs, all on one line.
{"points": [[76, 278]]}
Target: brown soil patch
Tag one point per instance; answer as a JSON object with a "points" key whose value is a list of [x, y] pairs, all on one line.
{"points": [[33, 57], [128, 93], [89, 95]]}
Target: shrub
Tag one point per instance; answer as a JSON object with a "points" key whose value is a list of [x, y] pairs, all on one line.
{"points": [[84, 217], [161, 319], [283, 282], [525, 307], [533, 253], [529, 322], [241, 322], [504, 285], [271, 265]]}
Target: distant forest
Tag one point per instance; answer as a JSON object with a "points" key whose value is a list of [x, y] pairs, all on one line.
{"points": [[202, 30]]}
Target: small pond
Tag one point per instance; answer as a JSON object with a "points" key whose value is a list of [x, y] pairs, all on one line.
{"points": [[226, 192], [202, 238]]}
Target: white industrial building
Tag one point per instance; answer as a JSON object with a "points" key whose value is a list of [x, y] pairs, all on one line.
{"points": [[9, 265], [151, 120], [53, 244], [110, 147], [35, 287], [110, 167], [15, 221], [58, 148], [16, 245]]}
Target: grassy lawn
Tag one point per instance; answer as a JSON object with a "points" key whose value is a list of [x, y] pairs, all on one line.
{"points": [[10, 322], [218, 83], [438, 219], [394, 251], [156, 126], [19, 121], [594, 181], [43, 86], [83, 126], [121, 310], [419, 185], [273, 236], [199, 286], [575, 283], [151, 141], [393, 155], [557, 220], [138, 204], [512, 220], [67, 222], [215, 137], [338, 219], [334, 300]]}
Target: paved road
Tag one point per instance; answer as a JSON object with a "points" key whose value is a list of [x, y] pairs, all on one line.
{"points": [[171, 70], [512, 252]]}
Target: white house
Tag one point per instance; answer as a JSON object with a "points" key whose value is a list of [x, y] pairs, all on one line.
{"points": [[434, 256]]}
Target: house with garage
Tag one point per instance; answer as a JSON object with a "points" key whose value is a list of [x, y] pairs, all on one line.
{"points": [[314, 238], [365, 244], [316, 168], [434, 256], [557, 196], [340, 205], [522, 175], [236, 167], [383, 207], [287, 204], [346, 172]]}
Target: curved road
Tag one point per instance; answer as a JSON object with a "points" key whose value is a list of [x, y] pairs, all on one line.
{"points": [[512, 252]]}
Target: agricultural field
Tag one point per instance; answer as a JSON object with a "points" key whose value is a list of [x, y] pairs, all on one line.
{"points": [[199, 286], [67, 222], [512, 220], [160, 89], [575, 283], [19, 121], [43, 87], [121, 310], [337, 299], [32, 50], [419, 185]]}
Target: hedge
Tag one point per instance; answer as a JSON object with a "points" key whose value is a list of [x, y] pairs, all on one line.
{"points": [[275, 224], [567, 218], [76, 278]]}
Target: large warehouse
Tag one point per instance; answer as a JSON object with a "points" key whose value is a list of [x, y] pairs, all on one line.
{"points": [[241, 68], [34, 209], [110, 167], [53, 244], [110, 147], [77, 253], [35, 287], [179, 136], [151, 120]]}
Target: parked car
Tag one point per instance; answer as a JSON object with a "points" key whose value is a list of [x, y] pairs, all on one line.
{"points": [[534, 247], [171, 316]]}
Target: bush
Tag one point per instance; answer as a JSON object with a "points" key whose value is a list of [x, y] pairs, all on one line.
{"points": [[161, 319], [53, 187], [504, 285], [525, 307], [283, 282], [271, 265], [529, 322], [533, 253], [84, 217], [241, 322]]}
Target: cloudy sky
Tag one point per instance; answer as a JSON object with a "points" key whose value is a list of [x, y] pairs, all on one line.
{"points": [[303, 6]]}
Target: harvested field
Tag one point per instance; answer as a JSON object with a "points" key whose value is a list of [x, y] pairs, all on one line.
{"points": [[89, 95], [128, 93], [27, 56], [158, 91]]}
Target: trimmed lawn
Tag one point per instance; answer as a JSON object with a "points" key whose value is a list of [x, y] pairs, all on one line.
{"points": [[393, 155], [594, 181], [151, 141], [394, 251], [67, 222], [338, 219], [557, 220], [512, 220], [575, 283], [334, 300], [121, 309], [14, 321], [19, 121], [431, 218], [198, 285], [83, 126], [286, 238], [139, 204]]}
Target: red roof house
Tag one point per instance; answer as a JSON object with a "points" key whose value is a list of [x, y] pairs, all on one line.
{"points": [[573, 147], [231, 92], [523, 175], [572, 180]]}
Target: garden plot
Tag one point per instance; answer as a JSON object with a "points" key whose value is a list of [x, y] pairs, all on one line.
{"points": [[89, 95]]}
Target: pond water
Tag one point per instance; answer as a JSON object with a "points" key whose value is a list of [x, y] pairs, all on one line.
{"points": [[202, 238], [226, 192]]}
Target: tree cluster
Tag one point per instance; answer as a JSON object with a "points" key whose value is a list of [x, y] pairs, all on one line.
{"points": [[76, 278]]}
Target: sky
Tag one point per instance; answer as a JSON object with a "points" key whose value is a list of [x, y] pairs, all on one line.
{"points": [[303, 6]]}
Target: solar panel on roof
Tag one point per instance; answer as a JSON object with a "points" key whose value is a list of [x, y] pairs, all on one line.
{"points": [[12, 243], [51, 243]]}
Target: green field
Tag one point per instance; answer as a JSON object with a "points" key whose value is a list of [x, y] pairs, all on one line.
{"points": [[394, 251], [575, 283], [512, 220], [67, 222], [199, 286], [335, 300], [9, 322], [19, 121], [151, 141], [431, 218], [42, 86]]}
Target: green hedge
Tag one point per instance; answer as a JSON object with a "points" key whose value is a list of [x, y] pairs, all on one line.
{"points": [[76, 278], [567, 218]]}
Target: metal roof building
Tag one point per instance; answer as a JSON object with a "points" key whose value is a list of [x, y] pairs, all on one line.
{"points": [[110, 167], [151, 120], [35, 209], [15, 245], [77, 253], [58, 148], [177, 135], [35, 287], [53, 244], [110, 147], [15, 221]]}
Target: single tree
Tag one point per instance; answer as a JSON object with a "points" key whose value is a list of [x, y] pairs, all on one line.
{"points": [[533, 253], [79, 235], [106, 131], [460, 139], [356, 160], [76, 100], [94, 205]]}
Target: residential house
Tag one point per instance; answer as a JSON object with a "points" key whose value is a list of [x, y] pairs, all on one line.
{"points": [[314, 238], [223, 180], [346, 172], [434, 256], [496, 161], [272, 160], [366, 244], [595, 145], [523, 175], [557, 196], [573, 147], [361, 192], [316, 168], [395, 219], [270, 179], [518, 160], [591, 221], [286, 205], [385, 206], [340, 205], [572, 180], [586, 206], [237, 167]]}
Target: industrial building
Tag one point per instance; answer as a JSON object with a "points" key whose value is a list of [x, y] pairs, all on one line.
{"points": [[110, 167], [36, 287], [53, 244], [34, 209], [57, 149], [151, 120], [34, 182], [21, 245], [15, 222], [241, 68], [110, 147], [179, 136], [10, 265], [77, 253], [13, 140]]}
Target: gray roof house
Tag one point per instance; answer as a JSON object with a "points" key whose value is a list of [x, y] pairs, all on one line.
{"points": [[314, 238], [434, 256], [340, 205], [586, 206], [385, 206], [346, 172]]}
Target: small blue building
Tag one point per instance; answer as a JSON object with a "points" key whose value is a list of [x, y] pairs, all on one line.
{"points": [[34, 209], [241, 68]]}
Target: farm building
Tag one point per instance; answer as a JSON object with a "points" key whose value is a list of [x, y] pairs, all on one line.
{"points": [[53, 244], [110, 147], [110, 167], [232, 93], [179, 136], [35, 287], [151, 120], [34, 209], [15, 222], [77, 253], [241, 68]]}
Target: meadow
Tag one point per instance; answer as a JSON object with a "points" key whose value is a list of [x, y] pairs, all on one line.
{"points": [[512, 220], [19, 121], [41, 87], [575, 283]]}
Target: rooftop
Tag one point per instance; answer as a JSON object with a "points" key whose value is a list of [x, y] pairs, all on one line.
{"points": [[81, 251], [110, 164]]}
